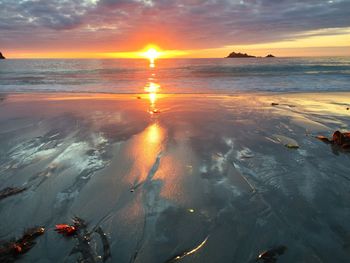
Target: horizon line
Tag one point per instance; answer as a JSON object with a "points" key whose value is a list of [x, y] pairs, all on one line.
{"points": [[167, 58]]}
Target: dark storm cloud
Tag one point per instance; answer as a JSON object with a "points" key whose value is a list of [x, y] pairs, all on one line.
{"points": [[199, 23]]}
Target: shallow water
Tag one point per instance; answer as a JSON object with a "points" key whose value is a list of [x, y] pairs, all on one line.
{"points": [[177, 75], [208, 172]]}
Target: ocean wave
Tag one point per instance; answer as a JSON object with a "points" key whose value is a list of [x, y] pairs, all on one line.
{"points": [[177, 75]]}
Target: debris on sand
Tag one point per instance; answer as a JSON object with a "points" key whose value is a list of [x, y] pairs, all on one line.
{"points": [[154, 111], [270, 256], [291, 105], [135, 186], [187, 253], [292, 146], [286, 141], [323, 138], [340, 140], [105, 244], [11, 251], [70, 230], [8, 191], [66, 230], [80, 232], [284, 104], [245, 153]]}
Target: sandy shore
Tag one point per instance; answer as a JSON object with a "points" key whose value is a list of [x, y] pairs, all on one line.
{"points": [[167, 174]]}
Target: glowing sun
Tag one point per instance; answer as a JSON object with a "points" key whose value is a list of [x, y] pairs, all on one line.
{"points": [[151, 54]]}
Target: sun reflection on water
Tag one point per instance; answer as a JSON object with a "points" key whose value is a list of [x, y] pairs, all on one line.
{"points": [[152, 88], [153, 134], [153, 98], [152, 53]]}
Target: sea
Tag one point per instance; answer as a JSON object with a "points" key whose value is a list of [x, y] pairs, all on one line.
{"points": [[178, 76]]}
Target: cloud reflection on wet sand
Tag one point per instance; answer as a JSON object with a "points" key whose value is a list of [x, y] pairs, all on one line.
{"points": [[159, 184]]}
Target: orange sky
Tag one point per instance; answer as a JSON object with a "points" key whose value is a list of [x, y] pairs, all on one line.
{"points": [[328, 45], [180, 28]]}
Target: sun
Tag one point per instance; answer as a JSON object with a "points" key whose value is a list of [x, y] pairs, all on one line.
{"points": [[151, 54]]}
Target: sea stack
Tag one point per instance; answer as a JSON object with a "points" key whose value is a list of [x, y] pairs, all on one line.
{"points": [[1, 56], [270, 56], [239, 55]]}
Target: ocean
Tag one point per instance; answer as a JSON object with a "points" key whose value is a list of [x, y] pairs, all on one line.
{"points": [[177, 76]]}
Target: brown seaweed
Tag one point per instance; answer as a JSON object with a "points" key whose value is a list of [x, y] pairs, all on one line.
{"points": [[13, 250], [340, 141]]}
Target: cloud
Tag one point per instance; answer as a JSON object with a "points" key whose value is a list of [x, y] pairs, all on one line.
{"points": [[108, 25], [40, 13]]}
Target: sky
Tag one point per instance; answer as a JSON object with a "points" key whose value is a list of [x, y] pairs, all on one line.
{"points": [[182, 28]]}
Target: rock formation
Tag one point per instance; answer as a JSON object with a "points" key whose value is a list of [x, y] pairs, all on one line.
{"points": [[245, 55], [239, 55]]}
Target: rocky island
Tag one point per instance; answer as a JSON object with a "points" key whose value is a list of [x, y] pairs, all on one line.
{"points": [[239, 55], [1, 56], [245, 55]]}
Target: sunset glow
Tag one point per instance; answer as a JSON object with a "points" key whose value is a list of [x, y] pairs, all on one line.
{"points": [[211, 29], [174, 131], [151, 54], [152, 87]]}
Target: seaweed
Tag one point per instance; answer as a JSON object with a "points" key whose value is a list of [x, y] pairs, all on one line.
{"points": [[340, 141], [79, 230], [105, 244], [13, 250]]}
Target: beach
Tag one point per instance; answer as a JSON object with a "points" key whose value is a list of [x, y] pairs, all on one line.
{"points": [[206, 178], [187, 131]]}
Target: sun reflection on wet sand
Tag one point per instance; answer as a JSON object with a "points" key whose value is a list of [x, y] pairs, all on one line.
{"points": [[152, 88], [153, 134], [144, 150], [147, 146]]}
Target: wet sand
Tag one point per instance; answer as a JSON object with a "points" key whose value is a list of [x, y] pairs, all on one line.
{"points": [[168, 174]]}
